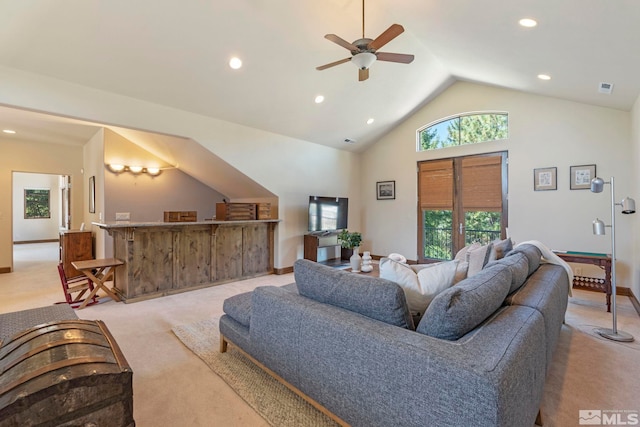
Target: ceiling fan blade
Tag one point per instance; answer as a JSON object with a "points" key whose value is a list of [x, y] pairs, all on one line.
{"points": [[340, 41], [333, 64], [363, 75], [389, 34], [395, 57]]}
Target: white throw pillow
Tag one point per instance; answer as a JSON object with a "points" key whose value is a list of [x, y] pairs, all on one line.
{"points": [[477, 259], [398, 272], [434, 280], [461, 271], [420, 288], [462, 253]]}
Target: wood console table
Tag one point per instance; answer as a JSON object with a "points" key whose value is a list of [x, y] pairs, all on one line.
{"points": [[591, 283]]}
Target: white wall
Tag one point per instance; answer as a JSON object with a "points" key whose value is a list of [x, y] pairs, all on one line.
{"points": [[635, 193], [25, 230], [291, 169], [543, 132]]}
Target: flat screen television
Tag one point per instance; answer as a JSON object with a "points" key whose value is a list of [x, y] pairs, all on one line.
{"points": [[328, 213]]}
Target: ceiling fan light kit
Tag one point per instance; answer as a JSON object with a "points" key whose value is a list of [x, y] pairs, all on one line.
{"points": [[363, 60], [364, 51]]}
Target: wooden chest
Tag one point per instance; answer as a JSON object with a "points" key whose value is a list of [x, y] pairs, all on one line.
{"points": [[235, 211], [182, 216], [68, 372], [263, 210]]}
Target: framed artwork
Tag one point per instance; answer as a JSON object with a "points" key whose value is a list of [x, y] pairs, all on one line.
{"points": [[544, 179], [581, 177], [92, 194], [385, 190], [37, 203]]}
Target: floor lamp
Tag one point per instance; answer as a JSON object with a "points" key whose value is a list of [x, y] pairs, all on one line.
{"points": [[628, 207]]}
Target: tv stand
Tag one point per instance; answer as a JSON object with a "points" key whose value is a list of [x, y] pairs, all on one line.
{"points": [[315, 241]]}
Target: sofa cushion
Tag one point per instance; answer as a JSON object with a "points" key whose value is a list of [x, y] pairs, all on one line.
{"points": [[518, 263], [459, 309], [238, 307], [532, 253], [420, 283], [373, 297]]}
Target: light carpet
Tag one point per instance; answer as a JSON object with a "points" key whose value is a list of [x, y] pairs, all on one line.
{"points": [[278, 405]]}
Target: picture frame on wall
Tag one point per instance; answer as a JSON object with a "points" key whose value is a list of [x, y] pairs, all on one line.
{"points": [[581, 176], [545, 179], [92, 194], [386, 190]]}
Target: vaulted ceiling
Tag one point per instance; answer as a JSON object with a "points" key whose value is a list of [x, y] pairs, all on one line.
{"points": [[176, 53]]}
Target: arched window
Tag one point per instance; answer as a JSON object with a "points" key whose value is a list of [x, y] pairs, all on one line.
{"points": [[470, 128]]}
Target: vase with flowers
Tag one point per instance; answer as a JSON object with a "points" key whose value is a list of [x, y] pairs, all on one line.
{"points": [[351, 240]]}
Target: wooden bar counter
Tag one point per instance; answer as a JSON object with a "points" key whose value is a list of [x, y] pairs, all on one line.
{"points": [[164, 258]]}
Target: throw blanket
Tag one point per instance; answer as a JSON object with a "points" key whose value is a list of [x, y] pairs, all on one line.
{"points": [[550, 257]]}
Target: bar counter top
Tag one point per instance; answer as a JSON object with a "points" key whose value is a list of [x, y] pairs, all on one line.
{"points": [[130, 224]]}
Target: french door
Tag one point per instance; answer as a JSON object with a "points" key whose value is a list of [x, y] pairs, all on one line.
{"points": [[461, 200]]}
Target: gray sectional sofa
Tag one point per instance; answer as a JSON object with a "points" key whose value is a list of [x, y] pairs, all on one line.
{"points": [[478, 356]]}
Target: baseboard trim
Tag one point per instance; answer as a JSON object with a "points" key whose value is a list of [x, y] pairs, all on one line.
{"points": [[22, 242], [285, 270], [5, 270], [634, 301]]}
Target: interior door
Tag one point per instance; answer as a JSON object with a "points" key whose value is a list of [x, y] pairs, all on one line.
{"points": [[461, 200]]}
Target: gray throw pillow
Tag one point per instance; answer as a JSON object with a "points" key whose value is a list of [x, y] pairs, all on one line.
{"points": [[461, 308], [373, 297]]}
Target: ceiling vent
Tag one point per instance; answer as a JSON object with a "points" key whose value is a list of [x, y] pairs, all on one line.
{"points": [[605, 88]]}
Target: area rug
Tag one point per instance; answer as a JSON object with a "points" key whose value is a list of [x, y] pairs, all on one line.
{"points": [[278, 405]]}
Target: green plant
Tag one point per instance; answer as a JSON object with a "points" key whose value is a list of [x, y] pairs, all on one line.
{"points": [[349, 240]]}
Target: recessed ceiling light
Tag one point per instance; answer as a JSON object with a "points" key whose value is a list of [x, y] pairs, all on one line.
{"points": [[319, 99], [8, 131], [371, 120], [544, 77], [528, 22], [235, 63]]}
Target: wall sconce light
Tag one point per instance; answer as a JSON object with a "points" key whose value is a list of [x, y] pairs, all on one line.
{"points": [[118, 168], [628, 207]]}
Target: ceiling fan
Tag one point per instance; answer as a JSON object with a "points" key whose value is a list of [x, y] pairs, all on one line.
{"points": [[364, 51]]}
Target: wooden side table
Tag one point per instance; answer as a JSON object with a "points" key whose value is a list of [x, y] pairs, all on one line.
{"points": [[591, 283], [99, 271]]}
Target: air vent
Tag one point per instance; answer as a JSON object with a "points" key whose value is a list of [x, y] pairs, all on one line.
{"points": [[350, 141], [605, 88]]}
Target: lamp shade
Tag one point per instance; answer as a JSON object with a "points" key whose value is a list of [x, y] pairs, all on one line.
{"points": [[628, 205], [598, 227], [597, 185], [363, 60]]}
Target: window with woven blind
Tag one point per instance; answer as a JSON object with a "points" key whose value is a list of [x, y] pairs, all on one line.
{"points": [[436, 184], [461, 200]]}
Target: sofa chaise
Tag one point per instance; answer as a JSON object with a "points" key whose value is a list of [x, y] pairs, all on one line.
{"points": [[347, 343]]}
